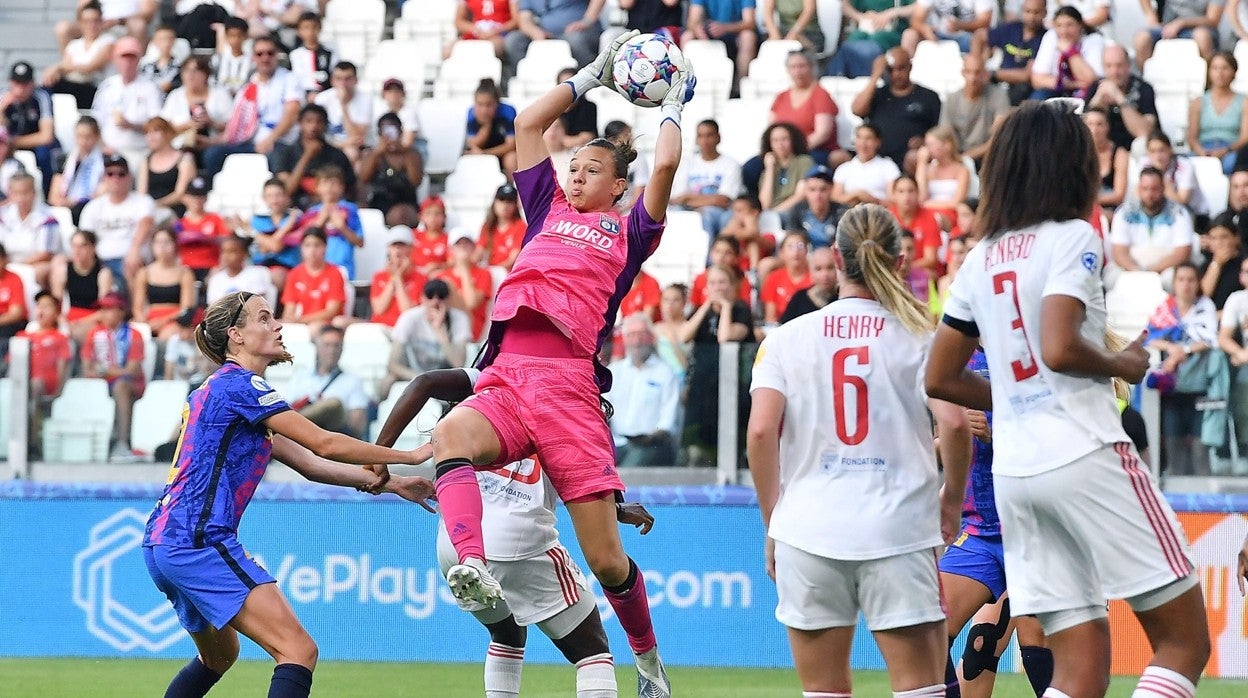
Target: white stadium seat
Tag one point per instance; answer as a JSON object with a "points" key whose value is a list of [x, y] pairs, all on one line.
{"points": [[681, 254], [828, 13], [473, 183], [443, 123], [1132, 300], [366, 352], [536, 72], [158, 414], [418, 430], [6, 415], [470, 62], [81, 424], [741, 125], [1176, 68], [938, 66], [1212, 183], [766, 76], [149, 348], [371, 258], [65, 116]]}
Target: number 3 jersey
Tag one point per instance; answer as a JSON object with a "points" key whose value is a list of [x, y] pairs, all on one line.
{"points": [[1042, 419], [857, 466]]}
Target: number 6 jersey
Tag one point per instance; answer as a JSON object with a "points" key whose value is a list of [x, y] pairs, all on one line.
{"points": [[1042, 419], [857, 466]]}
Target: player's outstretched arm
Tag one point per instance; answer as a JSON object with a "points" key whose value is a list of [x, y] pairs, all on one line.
{"points": [[334, 446], [947, 377], [325, 471], [668, 147], [450, 384]]}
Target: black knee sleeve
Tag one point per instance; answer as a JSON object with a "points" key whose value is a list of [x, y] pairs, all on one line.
{"points": [[986, 635]]}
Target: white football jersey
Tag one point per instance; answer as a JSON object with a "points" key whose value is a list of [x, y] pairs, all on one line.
{"points": [[518, 508], [1041, 419], [857, 465]]}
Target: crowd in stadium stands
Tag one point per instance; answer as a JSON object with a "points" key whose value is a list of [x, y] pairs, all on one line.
{"points": [[113, 241]]}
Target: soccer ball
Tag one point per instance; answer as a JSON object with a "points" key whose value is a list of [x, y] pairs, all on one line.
{"points": [[644, 69]]}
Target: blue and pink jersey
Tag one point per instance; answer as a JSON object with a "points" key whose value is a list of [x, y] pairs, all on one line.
{"points": [[222, 454], [574, 268], [979, 508]]}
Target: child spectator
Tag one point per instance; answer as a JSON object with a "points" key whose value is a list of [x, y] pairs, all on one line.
{"points": [[231, 64], [430, 251], [164, 291], [492, 127], [920, 221], [200, 233], [922, 282], [82, 279], [274, 242], [311, 61], [743, 226], [12, 304], [163, 69], [397, 287], [315, 291], [792, 276], [237, 275], [80, 178], [473, 285], [114, 351], [725, 252], [50, 354], [503, 230], [339, 219]]}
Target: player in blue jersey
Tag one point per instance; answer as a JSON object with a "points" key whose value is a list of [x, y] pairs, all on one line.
{"points": [[232, 426], [972, 573]]}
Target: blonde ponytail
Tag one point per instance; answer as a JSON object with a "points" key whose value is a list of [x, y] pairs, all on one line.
{"points": [[1116, 343], [869, 239]]}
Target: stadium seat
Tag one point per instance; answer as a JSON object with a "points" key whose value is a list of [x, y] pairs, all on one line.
{"points": [[1132, 300], [681, 254], [444, 124], [65, 218], [938, 66], [1176, 68], [473, 182], [536, 72], [158, 414], [366, 352], [1240, 86], [418, 431], [371, 258], [470, 62], [65, 116], [402, 59], [766, 76], [81, 423], [741, 126], [828, 13], [1172, 117], [149, 348], [298, 342], [612, 107], [1212, 183], [713, 67], [354, 27], [27, 159]]}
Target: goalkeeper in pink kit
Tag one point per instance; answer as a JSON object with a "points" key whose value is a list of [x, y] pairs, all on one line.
{"points": [[539, 390]]}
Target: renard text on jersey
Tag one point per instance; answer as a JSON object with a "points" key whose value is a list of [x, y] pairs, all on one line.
{"points": [[1008, 249]]}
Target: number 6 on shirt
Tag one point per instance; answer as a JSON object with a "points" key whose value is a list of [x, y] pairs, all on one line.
{"points": [[840, 380]]}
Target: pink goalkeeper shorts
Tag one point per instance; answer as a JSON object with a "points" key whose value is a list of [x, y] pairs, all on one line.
{"points": [[550, 407]]}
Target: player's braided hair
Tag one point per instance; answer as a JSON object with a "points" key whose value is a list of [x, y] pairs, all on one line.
{"points": [[212, 333], [869, 239]]}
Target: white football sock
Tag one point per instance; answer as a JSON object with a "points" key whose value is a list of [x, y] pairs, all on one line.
{"points": [[503, 665], [595, 677]]}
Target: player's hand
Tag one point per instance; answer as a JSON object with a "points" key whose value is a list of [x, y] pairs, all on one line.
{"points": [[1133, 360], [598, 72], [950, 515], [769, 557], [421, 453], [635, 515], [381, 475], [980, 428], [414, 489]]}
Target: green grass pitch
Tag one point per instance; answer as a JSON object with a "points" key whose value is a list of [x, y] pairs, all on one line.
{"points": [[125, 678]]}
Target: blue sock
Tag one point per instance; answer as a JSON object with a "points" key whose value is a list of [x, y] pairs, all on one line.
{"points": [[1038, 663], [194, 681], [290, 681], [952, 688]]}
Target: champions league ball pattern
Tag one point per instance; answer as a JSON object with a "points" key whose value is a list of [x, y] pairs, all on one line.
{"points": [[644, 69]]}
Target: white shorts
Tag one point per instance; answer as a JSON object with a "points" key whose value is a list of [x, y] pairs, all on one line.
{"points": [[892, 592], [1089, 531], [535, 589]]}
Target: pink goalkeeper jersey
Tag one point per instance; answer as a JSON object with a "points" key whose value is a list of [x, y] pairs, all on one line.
{"points": [[574, 268]]}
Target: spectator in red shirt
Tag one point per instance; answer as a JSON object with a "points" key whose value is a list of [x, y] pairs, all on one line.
{"points": [[473, 285], [12, 304], [315, 291], [643, 297], [725, 252], [50, 355], [486, 20], [922, 222], [165, 289], [114, 351], [430, 251], [200, 233], [791, 277], [502, 232], [397, 286]]}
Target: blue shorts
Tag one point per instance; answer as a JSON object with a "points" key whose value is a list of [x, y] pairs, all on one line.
{"points": [[205, 585], [963, 39], [1155, 32], [981, 558]]}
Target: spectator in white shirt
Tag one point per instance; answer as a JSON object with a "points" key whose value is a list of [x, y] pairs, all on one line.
{"points": [[125, 102], [645, 393], [431, 335], [866, 178], [947, 20], [238, 274], [328, 396], [231, 64], [197, 110], [82, 60], [1152, 233], [121, 219], [709, 182], [28, 229], [350, 112]]}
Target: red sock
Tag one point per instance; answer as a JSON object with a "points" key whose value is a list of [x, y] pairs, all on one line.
{"points": [[459, 498], [633, 609]]}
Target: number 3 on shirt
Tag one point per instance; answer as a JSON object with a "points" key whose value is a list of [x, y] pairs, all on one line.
{"points": [[841, 380], [1021, 371]]}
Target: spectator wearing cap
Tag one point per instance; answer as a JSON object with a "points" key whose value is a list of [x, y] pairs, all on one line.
{"points": [[164, 291], [338, 218], [236, 273], [429, 253], [82, 177], [431, 336], [709, 182], [486, 20], [200, 233], [646, 395], [275, 241], [12, 304], [114, 351], [327, 395], [574, 21], [166, 172], [900, 110], [502, 233], [315, 291], [391, 171], [472, 285], [866, 178], [349, 111], [298, 166], [815, 215], [83, 59], [26, 111], [125, 102], [394, 96], [975, 110], [273, 103], [1151, 233], [28, 229], [396, 287], [121, 218]]}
